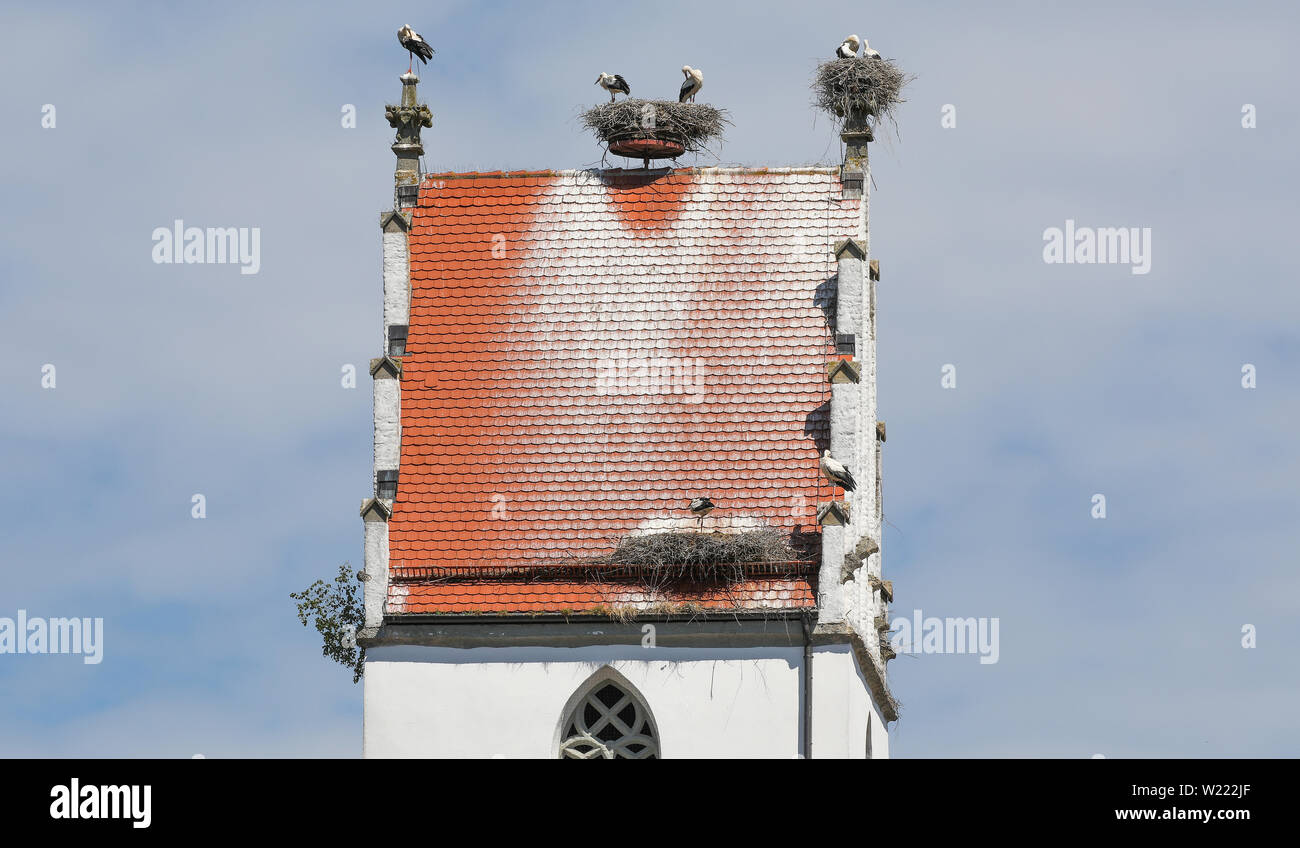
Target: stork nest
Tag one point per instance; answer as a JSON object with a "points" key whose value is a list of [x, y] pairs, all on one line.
{"points": [[692, 549], [693, 125], [871, 86]]}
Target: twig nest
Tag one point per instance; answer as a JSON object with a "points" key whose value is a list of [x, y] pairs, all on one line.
{"points": [[872, 87], [655, 129], [702, 549]]}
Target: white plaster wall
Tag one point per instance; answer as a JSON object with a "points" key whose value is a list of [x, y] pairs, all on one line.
{"points": [[879, 736], [388, 413], [483, 702], [863, 601], [831, 604], [868, 521], [836, 600], [706, 702], [853, 433], [849, 300], [376, 566], [841, 704], [397, 283], [508, 701]]}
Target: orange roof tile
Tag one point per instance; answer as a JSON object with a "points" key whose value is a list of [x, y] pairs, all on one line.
{"points": [[589, 350]]}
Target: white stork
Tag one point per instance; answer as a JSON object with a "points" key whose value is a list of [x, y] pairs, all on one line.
{"points": [[414, 45], [867, 52], [691, 85], [849, 49], [837, 473], [701, 507], [613, 83]]}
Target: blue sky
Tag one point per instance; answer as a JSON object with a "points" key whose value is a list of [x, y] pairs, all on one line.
{"points": [[1119, 636]]}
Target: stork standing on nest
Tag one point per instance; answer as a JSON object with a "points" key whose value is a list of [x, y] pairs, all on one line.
{"points": [[415, 46], [691, 85], [849, 49], [867, 52], [836, 472], [613, 83], [701, 507]]}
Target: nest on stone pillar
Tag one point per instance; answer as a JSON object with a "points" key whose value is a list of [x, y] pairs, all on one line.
{"points": [[655, 129], [870, 87]]}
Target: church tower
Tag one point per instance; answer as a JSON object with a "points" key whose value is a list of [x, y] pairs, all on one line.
{"points": [[569, 359]]}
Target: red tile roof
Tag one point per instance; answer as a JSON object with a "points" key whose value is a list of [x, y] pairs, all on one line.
{"points": [[589, 350]]}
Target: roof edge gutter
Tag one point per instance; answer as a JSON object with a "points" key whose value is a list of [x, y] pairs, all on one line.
{"points": [[781, 630]]}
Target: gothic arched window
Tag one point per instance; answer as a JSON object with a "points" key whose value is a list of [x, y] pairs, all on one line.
{"points": [[609, 721]]}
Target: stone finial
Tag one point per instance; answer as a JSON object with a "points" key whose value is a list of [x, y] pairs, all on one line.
{"points": [[373, 509], [843, 371], [408, 118], [395, 222], [386, 368], [833, 513], [852, 247]]}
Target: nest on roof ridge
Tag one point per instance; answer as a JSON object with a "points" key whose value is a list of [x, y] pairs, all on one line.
{"points": [[873, 86], [693, 125], [694, 550]]}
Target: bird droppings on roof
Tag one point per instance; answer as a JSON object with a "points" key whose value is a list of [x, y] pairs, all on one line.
{"points": [[588, 350], [647, 203]]}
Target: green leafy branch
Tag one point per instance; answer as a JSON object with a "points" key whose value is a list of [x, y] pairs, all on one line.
{"points": [[338, 610]]}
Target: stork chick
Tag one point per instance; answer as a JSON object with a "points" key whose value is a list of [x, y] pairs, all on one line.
{"points": [[701, 507], [613, 83]]}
